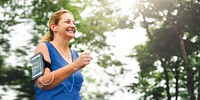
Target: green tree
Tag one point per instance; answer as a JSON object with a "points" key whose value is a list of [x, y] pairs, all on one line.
{"points": [[10, 13], [173, 34]]}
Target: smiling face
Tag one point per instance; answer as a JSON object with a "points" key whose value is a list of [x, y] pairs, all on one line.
{"points": [[66, 26], [62, 25]]}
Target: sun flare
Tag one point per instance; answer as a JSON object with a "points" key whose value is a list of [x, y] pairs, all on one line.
{"points": [[126, 5]]}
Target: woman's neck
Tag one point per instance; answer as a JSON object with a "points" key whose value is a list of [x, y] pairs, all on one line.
{"points": [[61, 44], [64, 50]]}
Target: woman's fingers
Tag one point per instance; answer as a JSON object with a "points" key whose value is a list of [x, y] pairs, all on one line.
{"points": [[86, 55]]}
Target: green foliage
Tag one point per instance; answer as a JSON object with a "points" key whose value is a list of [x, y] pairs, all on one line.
{"points": [[166, 22], [26, 87], [9, 75], [165, 43], [146, 60], [8, 20], [13, 75]]}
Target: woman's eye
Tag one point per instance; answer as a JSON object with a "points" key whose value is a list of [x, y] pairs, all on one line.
{"points": [[74, 23], [67, 22], [70, 22]]}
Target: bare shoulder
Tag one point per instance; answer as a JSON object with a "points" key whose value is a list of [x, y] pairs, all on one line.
{"points": [[42, 47]]}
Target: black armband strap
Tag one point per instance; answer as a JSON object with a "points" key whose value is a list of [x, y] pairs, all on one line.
{"points": [[47, 64]]}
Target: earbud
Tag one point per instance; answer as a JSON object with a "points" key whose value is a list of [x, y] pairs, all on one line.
{"points": [[55, 28]]}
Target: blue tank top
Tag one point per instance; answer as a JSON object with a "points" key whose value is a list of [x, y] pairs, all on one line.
{"points": [[68, 89]]}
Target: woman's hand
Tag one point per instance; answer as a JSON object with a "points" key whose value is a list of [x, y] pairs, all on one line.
{"points": [[83, 60]]}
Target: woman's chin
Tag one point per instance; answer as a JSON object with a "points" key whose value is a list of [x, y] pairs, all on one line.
{"points": [[70, 36]]}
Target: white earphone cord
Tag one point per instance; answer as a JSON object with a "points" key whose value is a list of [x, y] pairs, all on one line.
{"points": [[62, 47], [49, 82]]}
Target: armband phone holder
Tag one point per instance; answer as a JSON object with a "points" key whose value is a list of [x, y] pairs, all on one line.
{"points": [[37, 65]]}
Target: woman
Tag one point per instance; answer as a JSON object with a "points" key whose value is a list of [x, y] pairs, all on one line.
{"points": [[63, 79]]}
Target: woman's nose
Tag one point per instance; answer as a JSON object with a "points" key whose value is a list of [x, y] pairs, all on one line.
{"points": [[72, 24]]}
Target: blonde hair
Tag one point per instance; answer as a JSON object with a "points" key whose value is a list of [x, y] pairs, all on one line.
{"points": [[55, 18]]}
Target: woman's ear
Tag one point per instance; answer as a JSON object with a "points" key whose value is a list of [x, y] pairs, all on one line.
{"points": [[53, 28]]}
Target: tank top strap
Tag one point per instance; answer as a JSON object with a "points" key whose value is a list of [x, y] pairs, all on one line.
{"points": [[52, 50], [74, 54], [56, 59]]}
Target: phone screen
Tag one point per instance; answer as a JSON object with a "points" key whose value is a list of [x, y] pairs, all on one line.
{"points": [[37, 64]]}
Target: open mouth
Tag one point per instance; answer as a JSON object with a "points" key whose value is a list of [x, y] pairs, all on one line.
{"points": [[71, 30]]}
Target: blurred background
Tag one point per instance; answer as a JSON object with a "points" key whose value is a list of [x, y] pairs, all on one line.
{"points": [[142, 49]]}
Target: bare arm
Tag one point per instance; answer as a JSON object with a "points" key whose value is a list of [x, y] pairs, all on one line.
{"points": [[62, 73]]}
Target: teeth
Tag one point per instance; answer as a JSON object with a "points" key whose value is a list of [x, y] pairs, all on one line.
{"points": [[70, 29]]}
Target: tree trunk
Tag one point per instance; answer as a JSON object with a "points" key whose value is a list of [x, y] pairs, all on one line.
{"points": [[177, 78], [163, 63], [146, 26], [190, 81], [199, 86]]}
